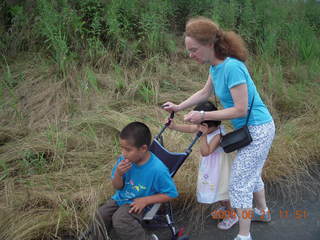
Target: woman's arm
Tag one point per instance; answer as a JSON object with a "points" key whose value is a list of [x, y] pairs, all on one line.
{"points": [[198, 97], [240, 109]]}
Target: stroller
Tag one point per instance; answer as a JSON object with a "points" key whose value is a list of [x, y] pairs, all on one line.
{"points": [[158, 216], [161, 215]]}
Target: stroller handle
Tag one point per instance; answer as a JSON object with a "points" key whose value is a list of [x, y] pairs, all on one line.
{"points": [[199, 134], [189, 149], [165, 126], [169, 119]]}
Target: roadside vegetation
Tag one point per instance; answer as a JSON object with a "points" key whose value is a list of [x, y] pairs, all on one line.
{"points": [[73, 73]]}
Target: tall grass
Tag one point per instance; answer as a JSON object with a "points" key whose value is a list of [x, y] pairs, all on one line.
{"points": [[89, 30], [52, 30]]}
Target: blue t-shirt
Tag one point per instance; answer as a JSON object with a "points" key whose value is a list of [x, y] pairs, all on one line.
{"points": [[148, 179], [230, 73]]}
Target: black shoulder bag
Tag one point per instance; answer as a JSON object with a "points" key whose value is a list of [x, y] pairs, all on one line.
{"points": [[237, 139]]}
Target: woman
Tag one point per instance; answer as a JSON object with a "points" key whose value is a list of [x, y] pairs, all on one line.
{"points": [[231, 82]]}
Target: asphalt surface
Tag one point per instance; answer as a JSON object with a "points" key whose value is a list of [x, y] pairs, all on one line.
{"points": [[292, 221], [294, 217]]}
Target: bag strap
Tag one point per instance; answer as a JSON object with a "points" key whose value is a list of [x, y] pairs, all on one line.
{"points": [[247, 120], [250, 109]]}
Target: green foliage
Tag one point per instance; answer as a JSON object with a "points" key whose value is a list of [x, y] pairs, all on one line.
{"points": [[185, 9], [92, 80], [139, 28], [56, 139], [147, 92], [92, 29], [312, 8], [130, 30], [302, 42], [119, 79], [52, 28], [7, 84], [16, 33], [154, 25], [33, 163], [4, 170], [226, 13]]}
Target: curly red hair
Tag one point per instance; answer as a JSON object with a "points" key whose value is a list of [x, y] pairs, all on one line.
{"points": [[226, 43]]}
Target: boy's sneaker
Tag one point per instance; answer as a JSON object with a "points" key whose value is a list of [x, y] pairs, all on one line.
{"points": [[227, 222], [153, 237], [262, 216]]}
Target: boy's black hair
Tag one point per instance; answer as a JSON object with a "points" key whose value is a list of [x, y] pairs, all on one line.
{"points": [[208, 107], [138, 133]]}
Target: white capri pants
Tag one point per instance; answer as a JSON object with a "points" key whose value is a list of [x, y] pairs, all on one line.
{"points": [[245, 178]]}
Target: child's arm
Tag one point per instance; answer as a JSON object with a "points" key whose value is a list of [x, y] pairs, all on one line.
{"points": [[122, 168], [165, 190], [140, 203], [205, 147], [186, 128]]}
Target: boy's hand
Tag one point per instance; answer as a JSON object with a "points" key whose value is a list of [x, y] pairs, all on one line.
{"points": [[123, 167], [203, 128], [138, 205]]}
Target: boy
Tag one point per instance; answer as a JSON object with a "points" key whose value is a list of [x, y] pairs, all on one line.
{"points": [[140, 179]]}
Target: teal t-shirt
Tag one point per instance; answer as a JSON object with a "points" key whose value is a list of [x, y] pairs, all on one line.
{"points": [[148, 179], [230, 73]]}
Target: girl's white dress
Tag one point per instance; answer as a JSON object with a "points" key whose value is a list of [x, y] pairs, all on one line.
{"points": [[213, 176]]}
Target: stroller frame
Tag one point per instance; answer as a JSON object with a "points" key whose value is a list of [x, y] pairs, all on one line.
{"points": [[173, 161]]}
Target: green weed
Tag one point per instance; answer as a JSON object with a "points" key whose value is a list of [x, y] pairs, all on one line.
{"points": [[4, 170], [34, 163], [146, 92], [92, 79]]}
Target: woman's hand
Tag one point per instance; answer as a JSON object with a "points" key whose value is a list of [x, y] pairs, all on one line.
{"points": [[193, 117], [170, 107]]}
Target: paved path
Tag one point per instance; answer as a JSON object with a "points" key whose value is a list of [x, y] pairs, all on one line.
{"points": [[290, 221]]}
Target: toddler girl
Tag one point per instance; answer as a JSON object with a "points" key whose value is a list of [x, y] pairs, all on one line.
{"points": [[214, 168]]}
